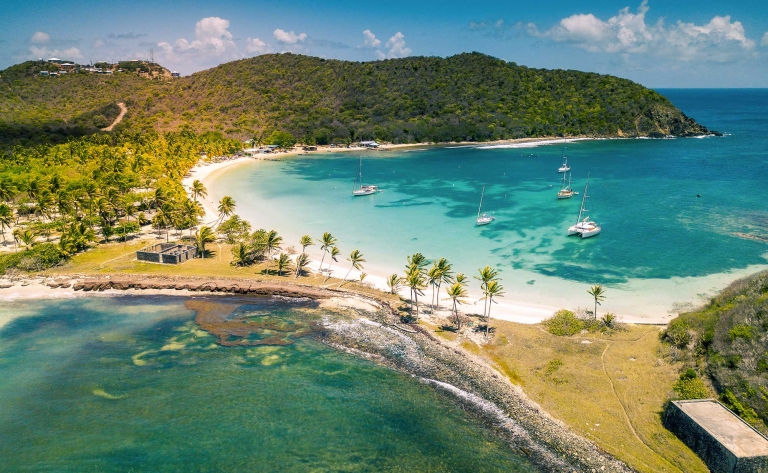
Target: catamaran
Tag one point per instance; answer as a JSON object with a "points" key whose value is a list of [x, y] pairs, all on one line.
{"points": [[566, 192], [585, 228], [483, 219], [360, 189]]}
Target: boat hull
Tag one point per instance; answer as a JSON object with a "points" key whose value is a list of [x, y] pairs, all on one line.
{"points": [[485, 220], [590, 233]]}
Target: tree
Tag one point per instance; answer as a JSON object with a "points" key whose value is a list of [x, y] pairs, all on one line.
{"points": [[204, 236], [198, 190], [598, 293], [334, 252], [282, 139], [302, 261], [446, 276], [492, 289], [486, 275], [6, 219], [456, 292], [25, 236], [394, 282], [282, 263], [415, 280], [241, 254], [76, 237], [305, 241], [328, 241], [356, 258], [272, 242], [226, 207]]}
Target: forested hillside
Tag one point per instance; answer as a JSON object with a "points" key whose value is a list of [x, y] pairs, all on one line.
{"points": [[470, 97]]}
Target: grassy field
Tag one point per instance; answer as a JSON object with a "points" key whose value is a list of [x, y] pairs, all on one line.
{"points": [[609, 388], [120, 258]]}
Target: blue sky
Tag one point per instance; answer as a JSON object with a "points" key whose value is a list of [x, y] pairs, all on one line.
{"points": [[657, 43]]}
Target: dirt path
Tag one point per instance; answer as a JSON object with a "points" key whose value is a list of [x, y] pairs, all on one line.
{"points": [[123, 110]]}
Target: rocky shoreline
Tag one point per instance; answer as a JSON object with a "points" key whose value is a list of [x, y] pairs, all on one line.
{"points": [[411, 349]]}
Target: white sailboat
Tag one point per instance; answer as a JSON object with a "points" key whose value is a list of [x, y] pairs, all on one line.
{"points": [[564, 167], [483, 219], [566, 192], [585, 228], [360, 189]]}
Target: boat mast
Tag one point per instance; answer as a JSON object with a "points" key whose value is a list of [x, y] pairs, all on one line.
{"points": [[583, 200], [479, 209]]}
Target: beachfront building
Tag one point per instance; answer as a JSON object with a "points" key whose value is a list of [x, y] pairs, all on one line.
{"points": [[369, 144], [167, 253], [722, 439]]}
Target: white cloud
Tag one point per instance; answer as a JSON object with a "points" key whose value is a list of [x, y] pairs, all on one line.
{"points": [[396, 45], [213, 44], [764, 41], [40, 38], [99, 43], [371, 41], [70, 54], [289, 37], [720, 40], [256, 46]]}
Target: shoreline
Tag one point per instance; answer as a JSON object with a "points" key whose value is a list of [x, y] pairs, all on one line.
{"points": [[630, 300]]}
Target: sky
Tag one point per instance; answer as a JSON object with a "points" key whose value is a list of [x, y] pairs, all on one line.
{"points": [[657, 43]]}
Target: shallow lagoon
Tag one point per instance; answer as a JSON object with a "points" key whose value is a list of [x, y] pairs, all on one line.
{"points": [[133, 384], [660, 244]]}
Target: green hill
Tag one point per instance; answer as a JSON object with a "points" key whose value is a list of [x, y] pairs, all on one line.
{"points": [[470, 97]]}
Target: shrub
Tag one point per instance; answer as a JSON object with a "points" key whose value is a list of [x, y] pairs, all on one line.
{"points": [[733, 403], [564, 323], [677, 333], [690, 386], [742, 331], [37, 258]]}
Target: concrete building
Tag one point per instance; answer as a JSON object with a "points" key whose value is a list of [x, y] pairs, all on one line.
{"points": [[722, 439], [168, 253]]}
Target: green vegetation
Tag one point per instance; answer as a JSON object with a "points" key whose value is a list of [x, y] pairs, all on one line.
{"points": [[469, 96], [564, 323], [726, 340], [103, 185], [690, 386]]}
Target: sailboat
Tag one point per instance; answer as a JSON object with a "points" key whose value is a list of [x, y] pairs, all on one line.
{"points": [[564, 167], [360, 189], [585, 228], [566, 192], [483, 219]]}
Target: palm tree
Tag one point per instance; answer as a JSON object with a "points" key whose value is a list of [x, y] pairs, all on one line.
{"points": [[203, 236], [282, 263], [446, 276], [191, 211], [26, 236], [335, 252], [241, 254], [487, 275], [356, 258], [456, 292], [598, 292], [6, 219], [492, 289], [76, 237], [7, 190], [165, 218], [302, 261], [328, 241], [394, 282], [272, 241], [226, 207], [198, 190], [415, 279], [305, 241], [433, 276], [44, 201]]}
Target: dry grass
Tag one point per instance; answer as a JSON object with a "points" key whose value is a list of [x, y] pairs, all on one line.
{"points": [[120, 258], [610, 390]]}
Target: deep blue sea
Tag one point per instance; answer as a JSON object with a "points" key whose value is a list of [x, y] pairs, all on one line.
{"points": [[661, 245]]}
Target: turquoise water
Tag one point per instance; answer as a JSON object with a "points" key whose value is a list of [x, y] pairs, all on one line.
{"points": [[132, 384], [643, 193]]}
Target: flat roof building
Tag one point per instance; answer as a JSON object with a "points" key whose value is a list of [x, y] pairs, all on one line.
{"points": [[722, 439]]}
